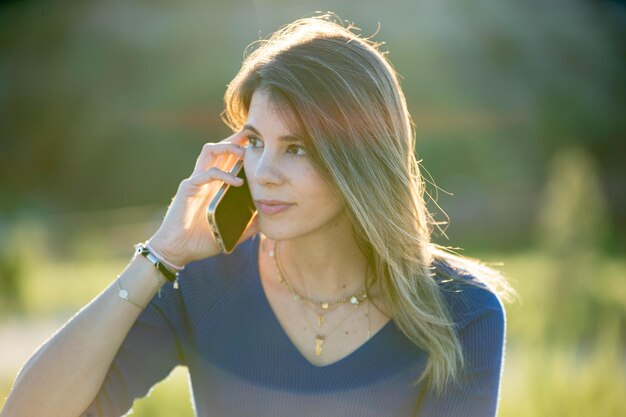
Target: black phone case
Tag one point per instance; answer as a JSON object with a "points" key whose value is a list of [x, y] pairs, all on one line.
{"points": [[231, 211]]}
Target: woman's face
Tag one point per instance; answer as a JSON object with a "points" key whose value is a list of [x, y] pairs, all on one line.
{"points": [[290, 195]]}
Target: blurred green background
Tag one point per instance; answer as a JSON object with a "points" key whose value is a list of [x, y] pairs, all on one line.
{"points": [[520, 114]]}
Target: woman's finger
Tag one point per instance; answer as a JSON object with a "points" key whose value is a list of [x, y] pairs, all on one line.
{"points": [[238, 138], [212, 174], [217, 154]]}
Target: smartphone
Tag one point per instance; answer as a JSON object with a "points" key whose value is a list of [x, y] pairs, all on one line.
{"points": [[231, 211]]}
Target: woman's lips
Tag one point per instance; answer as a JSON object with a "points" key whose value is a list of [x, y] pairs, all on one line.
{"points": [[271, 206]]}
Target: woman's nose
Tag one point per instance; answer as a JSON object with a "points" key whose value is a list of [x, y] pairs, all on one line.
{"points": [[267, 170]]}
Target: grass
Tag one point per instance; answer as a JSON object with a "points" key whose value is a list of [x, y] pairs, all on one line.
{"points": [[540, 378], [170, 398]]}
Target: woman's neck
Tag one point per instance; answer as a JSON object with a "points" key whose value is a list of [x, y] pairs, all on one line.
{"points": [[325, 265]]}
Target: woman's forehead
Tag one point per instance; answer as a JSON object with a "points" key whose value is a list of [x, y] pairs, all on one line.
{"points": [[268, 114]]}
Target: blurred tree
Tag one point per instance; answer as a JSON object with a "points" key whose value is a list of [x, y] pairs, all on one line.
{"points": [[96, 97], [573, 219], [11, 273], [572, 227]]}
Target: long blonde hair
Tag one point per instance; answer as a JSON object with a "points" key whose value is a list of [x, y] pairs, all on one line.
{"points": [[343, 98]]}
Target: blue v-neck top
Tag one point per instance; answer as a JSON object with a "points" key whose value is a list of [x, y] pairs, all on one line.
{"points": [[220, 325]]}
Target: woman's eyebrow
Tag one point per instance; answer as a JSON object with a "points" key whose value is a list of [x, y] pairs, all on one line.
{"points": [[285, 138]]}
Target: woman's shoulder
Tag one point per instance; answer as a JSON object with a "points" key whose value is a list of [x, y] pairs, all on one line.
{"points": [[468, 289]]}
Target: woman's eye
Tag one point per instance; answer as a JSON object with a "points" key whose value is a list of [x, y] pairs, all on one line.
{"points": [[296, 149], [253, 141]]}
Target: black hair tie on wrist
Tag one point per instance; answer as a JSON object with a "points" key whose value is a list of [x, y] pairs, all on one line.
{"points": [[143, 250]]}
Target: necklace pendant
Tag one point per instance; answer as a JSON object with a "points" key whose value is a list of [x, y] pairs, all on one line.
{"points": [[320, 320], [325, 306], [319, 341], [354, 300]]}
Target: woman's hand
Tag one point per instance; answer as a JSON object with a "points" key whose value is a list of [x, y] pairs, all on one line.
{"points": [[185, 235]]}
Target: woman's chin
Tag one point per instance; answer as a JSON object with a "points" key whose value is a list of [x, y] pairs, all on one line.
{"points": [[274, 231]]}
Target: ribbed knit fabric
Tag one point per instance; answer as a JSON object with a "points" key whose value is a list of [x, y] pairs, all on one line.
{"points": [[220, 325]]}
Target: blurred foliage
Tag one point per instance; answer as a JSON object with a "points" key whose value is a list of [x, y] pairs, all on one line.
{"points": [[573, 219], [10, 277], [572, 228], [519, 106], [544, 375], [107, 104]]}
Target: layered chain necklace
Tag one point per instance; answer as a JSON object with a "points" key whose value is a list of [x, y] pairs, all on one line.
{"points": [[326, 306]]}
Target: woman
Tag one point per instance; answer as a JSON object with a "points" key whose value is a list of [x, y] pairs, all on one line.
{"points": [[335, 302]]}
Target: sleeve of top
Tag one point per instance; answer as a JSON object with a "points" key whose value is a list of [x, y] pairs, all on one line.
{"points": [[476, 392], [148, 354]]}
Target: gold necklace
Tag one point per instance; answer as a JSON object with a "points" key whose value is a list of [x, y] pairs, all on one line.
{"points": [[321, 338], [356, 300], [321, 316]]}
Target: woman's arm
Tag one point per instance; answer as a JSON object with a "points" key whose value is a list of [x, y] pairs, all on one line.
{"points": [[66, 373]]}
